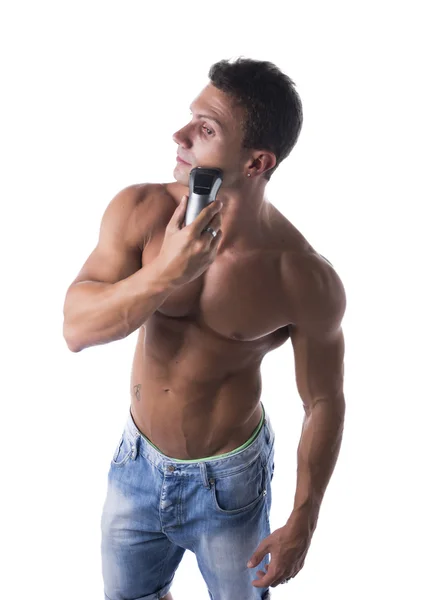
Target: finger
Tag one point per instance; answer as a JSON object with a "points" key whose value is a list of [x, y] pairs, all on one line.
{"points": [[204, 217], [179, 214], [215, 240], [210, 241], [215, 224], [278, 582], [262, 573], [266, 579], [263, 582]]}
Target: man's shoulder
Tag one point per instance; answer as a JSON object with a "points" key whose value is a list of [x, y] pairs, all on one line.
{"points": [[161, 197], [142, 193], [304, 265], [149, 205], [313, 287], [150, 202]]}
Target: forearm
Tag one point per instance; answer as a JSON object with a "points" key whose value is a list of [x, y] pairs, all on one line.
{"points": [[98, 313], [317, 455]]}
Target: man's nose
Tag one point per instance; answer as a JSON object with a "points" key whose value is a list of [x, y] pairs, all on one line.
{"points": [[181, 137]]}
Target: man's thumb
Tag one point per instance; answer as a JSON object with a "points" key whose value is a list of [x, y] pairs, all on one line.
{"points": [[179, 213]]}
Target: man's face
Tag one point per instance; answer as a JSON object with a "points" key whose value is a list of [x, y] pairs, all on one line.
{"points": [[212, 138]]}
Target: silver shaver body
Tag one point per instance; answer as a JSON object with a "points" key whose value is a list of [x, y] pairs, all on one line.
{"points": [[204, 184]]}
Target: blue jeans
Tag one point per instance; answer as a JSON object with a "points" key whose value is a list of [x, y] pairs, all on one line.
{"points": [[157, 507]]}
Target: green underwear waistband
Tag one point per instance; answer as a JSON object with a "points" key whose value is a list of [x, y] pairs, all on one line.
{"points": [[242, 447]]}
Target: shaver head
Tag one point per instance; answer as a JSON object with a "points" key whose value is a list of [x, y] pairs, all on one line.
{"points": [[205, 182]]}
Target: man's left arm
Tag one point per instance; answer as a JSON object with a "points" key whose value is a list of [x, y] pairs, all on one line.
{"points": [[317, 304]]}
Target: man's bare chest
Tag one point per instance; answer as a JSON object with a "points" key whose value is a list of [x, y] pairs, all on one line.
{"points": [[239, 297]]}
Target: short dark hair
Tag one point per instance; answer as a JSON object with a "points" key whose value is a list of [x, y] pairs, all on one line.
{"points": [[273, 108]]}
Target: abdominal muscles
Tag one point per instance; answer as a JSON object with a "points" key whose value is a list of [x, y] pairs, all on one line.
{"points": [[194, 393]]}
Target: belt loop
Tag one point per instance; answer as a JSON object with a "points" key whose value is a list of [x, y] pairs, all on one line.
{"points": [[204, 473], [134, 444]]}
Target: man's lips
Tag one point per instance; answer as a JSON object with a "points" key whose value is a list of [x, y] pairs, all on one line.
{"points": [[181, 160]]}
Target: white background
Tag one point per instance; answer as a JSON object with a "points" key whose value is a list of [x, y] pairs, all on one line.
{"points": [[91, 95]]}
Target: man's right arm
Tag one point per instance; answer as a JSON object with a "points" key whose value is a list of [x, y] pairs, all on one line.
{"points": [[112, 295]]}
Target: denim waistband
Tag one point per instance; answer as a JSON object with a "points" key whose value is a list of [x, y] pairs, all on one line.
{"points": [[262, 446]]}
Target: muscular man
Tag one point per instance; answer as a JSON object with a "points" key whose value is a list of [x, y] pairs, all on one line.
{"points": [[194, 465]]}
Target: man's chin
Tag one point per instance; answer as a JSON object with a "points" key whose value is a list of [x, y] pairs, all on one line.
{"points": [[182, 176]]}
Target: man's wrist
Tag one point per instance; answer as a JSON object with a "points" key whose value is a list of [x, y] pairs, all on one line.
{"points": [[304, 517]]}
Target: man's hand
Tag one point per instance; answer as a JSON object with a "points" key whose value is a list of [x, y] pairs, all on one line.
{"points": [[288, 547], [186, 252]]}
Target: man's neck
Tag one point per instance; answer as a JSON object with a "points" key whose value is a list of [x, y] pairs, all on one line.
{"points": [[243, 214]]}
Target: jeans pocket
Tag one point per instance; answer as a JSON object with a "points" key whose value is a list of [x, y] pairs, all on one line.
{"points": [[123, 451], [241, 490]]}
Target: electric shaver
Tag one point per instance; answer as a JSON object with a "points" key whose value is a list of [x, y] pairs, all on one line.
{"points": [[204, 184]]}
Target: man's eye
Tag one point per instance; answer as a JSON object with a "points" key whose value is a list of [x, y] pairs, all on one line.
{"points": [[209, 131]]}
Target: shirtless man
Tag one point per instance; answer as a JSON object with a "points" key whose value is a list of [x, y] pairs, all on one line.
{"points": [[194, 465]]}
